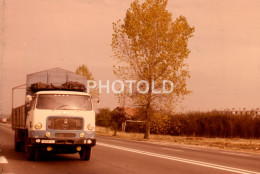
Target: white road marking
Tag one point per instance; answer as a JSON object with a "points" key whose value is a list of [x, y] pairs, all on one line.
{"points": [[172, 149], [199, 163], [238, 154], [192, 148], [3, 160]]}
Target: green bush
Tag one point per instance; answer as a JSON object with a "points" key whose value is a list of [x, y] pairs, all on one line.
{"points": [[210, 124], [103, 117], [204, 124]]}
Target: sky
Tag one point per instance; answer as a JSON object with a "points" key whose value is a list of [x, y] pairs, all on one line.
{"points": [[224, 62]]}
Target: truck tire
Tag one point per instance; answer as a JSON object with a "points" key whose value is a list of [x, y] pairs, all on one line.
{"points": [[85, 154], [32, 154], [18, 145]]}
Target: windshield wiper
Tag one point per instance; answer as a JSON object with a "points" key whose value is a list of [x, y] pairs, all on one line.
{"points": [[59, 107]]}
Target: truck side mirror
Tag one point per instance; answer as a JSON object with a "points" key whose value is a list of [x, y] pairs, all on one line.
{"points": [[96, 99], [28, 100]]}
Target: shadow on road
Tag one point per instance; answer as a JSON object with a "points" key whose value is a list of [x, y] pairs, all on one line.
{"points": [[58, 157]]}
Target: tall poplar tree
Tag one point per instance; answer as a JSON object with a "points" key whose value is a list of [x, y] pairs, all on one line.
{"points": [[148, 45]]}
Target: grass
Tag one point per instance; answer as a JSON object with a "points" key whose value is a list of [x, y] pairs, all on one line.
{"points": [[238, 144]]}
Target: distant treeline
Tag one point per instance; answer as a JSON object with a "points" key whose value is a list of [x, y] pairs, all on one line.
{"points": [[203, 124]]}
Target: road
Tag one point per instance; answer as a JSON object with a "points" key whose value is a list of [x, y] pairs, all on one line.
{"points": [[112, 155]]}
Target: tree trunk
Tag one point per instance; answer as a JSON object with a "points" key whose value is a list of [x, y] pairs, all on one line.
{"points": [[115, 132], [115, 128], [147, 130], [148, 114]]}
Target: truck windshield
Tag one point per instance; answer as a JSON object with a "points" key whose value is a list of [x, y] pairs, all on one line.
{"points": [[63, 102]]}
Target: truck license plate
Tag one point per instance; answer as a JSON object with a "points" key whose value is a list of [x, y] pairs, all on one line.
{"points": [[48, 141]]}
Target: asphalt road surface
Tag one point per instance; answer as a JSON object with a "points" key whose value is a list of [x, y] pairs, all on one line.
{"points": [[112, 155]]}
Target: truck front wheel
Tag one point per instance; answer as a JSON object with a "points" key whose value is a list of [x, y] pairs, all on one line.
{"points": [[85, 153], [32, 154]]}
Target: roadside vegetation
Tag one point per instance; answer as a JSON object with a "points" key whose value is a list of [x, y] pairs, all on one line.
{"points": [[211, 129], [202, 124], [238, 144]]}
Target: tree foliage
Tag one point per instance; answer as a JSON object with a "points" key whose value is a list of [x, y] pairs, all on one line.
{"points": [[112, 119], [117, 118], [84, 71], [103, 117], [204, 124], [148, 45]]}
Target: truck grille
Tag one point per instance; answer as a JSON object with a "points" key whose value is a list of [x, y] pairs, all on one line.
{"points": [[65, 135], [58, 123]]}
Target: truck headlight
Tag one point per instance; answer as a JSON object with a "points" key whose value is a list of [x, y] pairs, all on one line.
{"points": [[38, 126], [48, 134], [90, 126], [81, 135]]}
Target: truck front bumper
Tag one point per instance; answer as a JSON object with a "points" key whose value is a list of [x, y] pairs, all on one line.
{"points": [[61, 145]]}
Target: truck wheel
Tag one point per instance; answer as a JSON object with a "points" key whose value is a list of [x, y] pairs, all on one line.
{"points": [[22, 146], [85, 154], [17, 146], [32, 154]]}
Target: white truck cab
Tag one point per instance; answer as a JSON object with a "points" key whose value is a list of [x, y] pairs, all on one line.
{"points": [[61, 121]]}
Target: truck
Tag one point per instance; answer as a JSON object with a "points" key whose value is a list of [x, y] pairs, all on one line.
{"points": [[56, 117], [3, 120]]}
